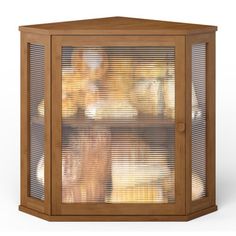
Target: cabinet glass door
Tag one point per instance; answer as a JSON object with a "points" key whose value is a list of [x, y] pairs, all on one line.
{"points": [[118, 112], [117, 126]]}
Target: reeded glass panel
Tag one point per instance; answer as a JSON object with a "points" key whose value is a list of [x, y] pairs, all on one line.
{"points": [[198, 121], [118, 124], [37, 129]]}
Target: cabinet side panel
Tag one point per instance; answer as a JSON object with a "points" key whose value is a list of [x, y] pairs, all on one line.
{"points": [[198, 121], [201, 116], [37, 108], [35, 122], [24, 120]]}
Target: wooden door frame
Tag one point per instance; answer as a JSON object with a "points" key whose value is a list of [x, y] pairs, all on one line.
{"points": [[178, 208]]}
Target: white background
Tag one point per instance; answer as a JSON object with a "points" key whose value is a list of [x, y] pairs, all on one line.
{"points": [[15, 13]]}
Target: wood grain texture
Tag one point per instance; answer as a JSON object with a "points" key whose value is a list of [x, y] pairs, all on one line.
{"points": [[48, 142], [180, 135], [24, 120], [118, 218], [211, 136], [56, 128], [118, 26], [26, 200], [122, 32], [188, 114], [135, 123], [209, 200], [117, 209]]}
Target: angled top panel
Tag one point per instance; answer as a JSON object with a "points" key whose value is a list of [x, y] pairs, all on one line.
{"points": [[117, 26]]}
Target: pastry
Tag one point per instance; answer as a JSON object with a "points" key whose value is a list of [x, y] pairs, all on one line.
{"points": [[150, 69], [169, 97], [196, 112], [86, 165], [120, 64], [82, 91], [89, 192], [136, 169], [133, 162], [90, 63], [109, 109], [146, 96], [169, 187], [118, 86], [40, 171], [41, 108], [92, 94], [69, 108], [73, 89], [119, 77], [141, 193], [169, 100], [197, 187], [76, 93]]}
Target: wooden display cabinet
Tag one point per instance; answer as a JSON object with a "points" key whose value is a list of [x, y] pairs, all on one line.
{"points": [[118, 120]]}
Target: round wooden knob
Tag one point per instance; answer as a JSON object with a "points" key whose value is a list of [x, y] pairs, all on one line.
{"points": [[181, 127]]}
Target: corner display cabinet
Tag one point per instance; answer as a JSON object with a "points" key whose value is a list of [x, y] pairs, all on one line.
{"points": [[117, 120]]}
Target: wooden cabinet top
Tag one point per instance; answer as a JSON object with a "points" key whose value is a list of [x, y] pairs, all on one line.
{"points": [[118, 26]]}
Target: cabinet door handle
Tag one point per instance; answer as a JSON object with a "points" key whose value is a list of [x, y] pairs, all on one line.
{"points": [[180, 126]]}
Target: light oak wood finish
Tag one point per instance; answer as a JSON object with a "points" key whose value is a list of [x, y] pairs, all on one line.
{"points": [[118, 218], [209, 200], [118, 209], [26, 200], [117, 31], [118, 26]]}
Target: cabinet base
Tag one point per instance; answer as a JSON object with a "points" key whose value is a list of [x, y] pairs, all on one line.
{"points": [[118, 218]]}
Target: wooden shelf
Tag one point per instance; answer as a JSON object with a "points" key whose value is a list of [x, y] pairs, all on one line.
{"points": [[113, 123], [125, 123]]}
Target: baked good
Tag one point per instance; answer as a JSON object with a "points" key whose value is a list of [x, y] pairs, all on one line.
{"points": [[82, 91], [118, 86], [69, 108], [90, 63], [169, 97], [72, 86], [73, 89], [41, 108], [88, 192], [86, 165], [196, 112], [169, 100], [197, 187], [92, 94], [141, 193], [109, 109], [169, 187], [119, 77], [150, 69], [76, 93], [146, 96], [133, 162], [120, 64], [40, 170], [136, 169]]}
